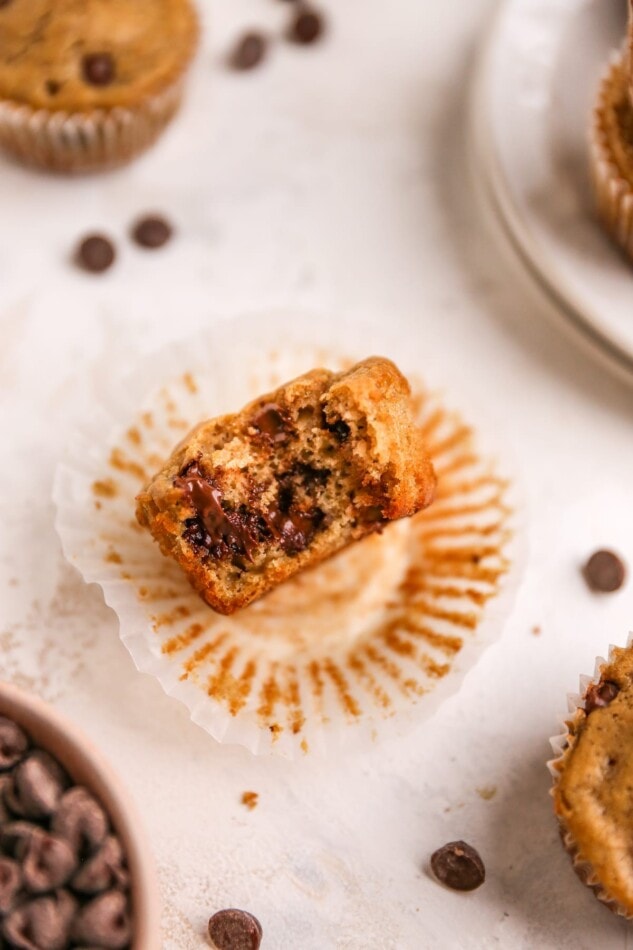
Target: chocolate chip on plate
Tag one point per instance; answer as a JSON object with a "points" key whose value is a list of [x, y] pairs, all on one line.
{"points": [[98, 69], [307, 26], [599, 695], [13, 744], [248, 52], [235, 930], [152, 231], [458, 866], [96, 253], [604, 572]]}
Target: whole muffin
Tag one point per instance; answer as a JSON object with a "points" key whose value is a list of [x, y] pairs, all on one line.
{"points": [[593, 784], [88, 84]]}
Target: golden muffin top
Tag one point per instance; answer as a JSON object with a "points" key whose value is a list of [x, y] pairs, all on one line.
{"points": [[594, 794], [79, 55]]}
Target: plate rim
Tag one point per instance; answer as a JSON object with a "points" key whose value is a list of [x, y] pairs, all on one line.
{"points": [[498, 194]]}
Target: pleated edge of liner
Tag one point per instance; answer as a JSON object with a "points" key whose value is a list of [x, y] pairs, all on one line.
{"points": [[561, 743]]}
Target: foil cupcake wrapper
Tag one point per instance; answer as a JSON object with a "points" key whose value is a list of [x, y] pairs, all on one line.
{"points": [[85, 142], [613, 193], [561, 743], [379, 634]]}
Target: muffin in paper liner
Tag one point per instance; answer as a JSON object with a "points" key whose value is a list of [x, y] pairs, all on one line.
{"points": [[561, 745], [85, 141], [380, 633], [611, 153]]}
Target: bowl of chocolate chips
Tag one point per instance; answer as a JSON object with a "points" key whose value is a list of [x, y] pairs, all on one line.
{"points": [[75, 868]]}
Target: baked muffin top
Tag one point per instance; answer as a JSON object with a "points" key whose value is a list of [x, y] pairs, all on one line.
{"points": [[594, 793], [79, 55]]}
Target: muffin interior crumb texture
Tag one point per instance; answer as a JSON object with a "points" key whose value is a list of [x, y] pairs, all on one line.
{"points": [[248, 499]]}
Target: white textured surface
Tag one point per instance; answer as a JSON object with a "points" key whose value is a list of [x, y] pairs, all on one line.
{"points": [[332, 180]]}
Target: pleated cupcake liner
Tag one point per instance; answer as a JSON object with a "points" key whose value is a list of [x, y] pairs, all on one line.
{"points": [[378, 635], [562, 744], [76, 142]]}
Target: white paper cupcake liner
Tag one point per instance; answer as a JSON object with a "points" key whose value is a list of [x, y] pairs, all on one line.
{"points": [[613, 193], [561, 744], [84, 142], [382, 632]]}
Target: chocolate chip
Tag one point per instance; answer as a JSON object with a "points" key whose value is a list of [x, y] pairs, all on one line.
{"points": [[41, 924], [272, 422], [103, 871], [98, 69], [37, 785], [13, 744], [4, 3], [104, 922], [340, 429], [458, 866], [15, 837], [235, 930], [306, 27], [248, 52], [10, 883], [599, 695], [47, 863], [96, 253], [52, 87], [604, 572], [152, 231], [81, 820]]}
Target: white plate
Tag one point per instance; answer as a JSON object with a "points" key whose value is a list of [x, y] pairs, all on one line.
{"points": [[533, 99]]}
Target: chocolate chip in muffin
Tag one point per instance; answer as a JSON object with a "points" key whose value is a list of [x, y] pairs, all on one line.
{"points": [[604, 572], [152, 231], [98, 69], [234, 929], [599, 695], [458, 866], [248, 52], [52, 87], [95, 254], [307, 26]]}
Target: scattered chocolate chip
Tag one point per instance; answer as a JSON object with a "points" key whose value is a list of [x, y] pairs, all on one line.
{"points": [[152, 231], [604, 572], [458, 866], [13, 744], [47, 863], [10, 883], [103, 871], [306, 27], [80, 820], [104, 922], [41, 924], [599, 695], [98, 69], [96, 253], [235, 930], [248, 52], [38, 784]]}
